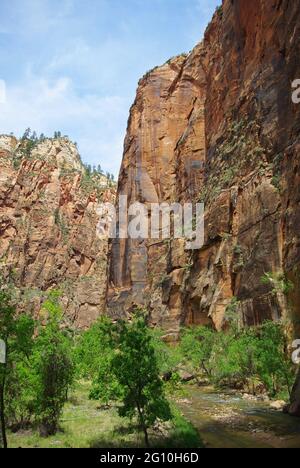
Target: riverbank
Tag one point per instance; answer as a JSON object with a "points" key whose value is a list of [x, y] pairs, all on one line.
{"points": [[229, 420], [211, 419], [85, 424]]}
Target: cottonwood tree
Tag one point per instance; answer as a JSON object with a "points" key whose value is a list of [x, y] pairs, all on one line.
{"points": [[136, 370]]}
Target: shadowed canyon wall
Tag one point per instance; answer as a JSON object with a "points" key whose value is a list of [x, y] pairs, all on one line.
{"points": [[48, 220], [218, 126]]}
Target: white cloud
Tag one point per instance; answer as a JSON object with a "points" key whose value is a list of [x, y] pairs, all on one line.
{"points": [[105, 46], [47, 106]]}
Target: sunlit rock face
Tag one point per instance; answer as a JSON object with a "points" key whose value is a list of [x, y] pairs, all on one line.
{"points": [[48, 227], [218, 126]]}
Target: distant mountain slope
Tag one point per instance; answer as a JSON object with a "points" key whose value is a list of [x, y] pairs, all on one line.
{"points": [[48, 220]]}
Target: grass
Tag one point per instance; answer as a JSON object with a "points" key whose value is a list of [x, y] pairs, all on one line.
{"points": [[85, 424]]}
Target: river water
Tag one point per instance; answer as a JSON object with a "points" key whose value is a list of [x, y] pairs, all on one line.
{"points": [[227, 420]]}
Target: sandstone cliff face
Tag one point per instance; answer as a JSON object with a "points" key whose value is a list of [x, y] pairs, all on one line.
{"points": [[218, 126], [48, 220], [169, 107]]}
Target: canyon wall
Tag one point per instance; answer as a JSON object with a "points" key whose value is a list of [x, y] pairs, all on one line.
{"points": [[218, 126], [48, 227]]}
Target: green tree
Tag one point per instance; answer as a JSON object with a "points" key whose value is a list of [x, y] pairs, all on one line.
{"points": [[136, 370], [88, 170], [94, 354], [26, 134], [275, 366], [197, 346], [19, 394], [168, 357], [54, 367], [234, 359], [16, 332]]}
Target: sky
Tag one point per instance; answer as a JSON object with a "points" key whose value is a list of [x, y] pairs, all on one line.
{"points": [[73, 65]]}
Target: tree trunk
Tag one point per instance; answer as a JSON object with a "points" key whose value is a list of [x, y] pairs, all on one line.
{"points": [[206, 370], [294, 408], [2, 415], [146, 437], [143, 426]]}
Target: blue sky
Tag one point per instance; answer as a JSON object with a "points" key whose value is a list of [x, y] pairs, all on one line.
{"points": [[73, 65]]}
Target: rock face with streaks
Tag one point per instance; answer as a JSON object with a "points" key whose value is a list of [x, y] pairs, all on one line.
{"points": [[48, 226], [218, 126]]}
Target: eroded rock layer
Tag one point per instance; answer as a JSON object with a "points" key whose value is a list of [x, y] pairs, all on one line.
{"points": [[48, 226], [218, 126]]}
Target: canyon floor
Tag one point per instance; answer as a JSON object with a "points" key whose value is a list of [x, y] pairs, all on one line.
{"points": [[85, 424], [207, 419]]}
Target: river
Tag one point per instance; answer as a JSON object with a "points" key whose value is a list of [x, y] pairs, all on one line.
{"points": [[227, 420]]}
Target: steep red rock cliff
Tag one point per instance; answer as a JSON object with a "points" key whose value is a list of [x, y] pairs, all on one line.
{"points": [[218, 126], [48, 220]]}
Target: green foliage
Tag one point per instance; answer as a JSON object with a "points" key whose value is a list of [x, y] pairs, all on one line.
{"points": [[233, 360], [90, 176], [237, 151], [93, 343], [168, 357], [91, 183], [232, 316], [135, 367], [197, 345], [123, 360], [94, 354], [62, 223], [16, 331], [182, 435], [19, 393], [277, 170], [279, 282], [219, 11], [85, 425], [243, 357], [274, 365], [54, 368]]}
